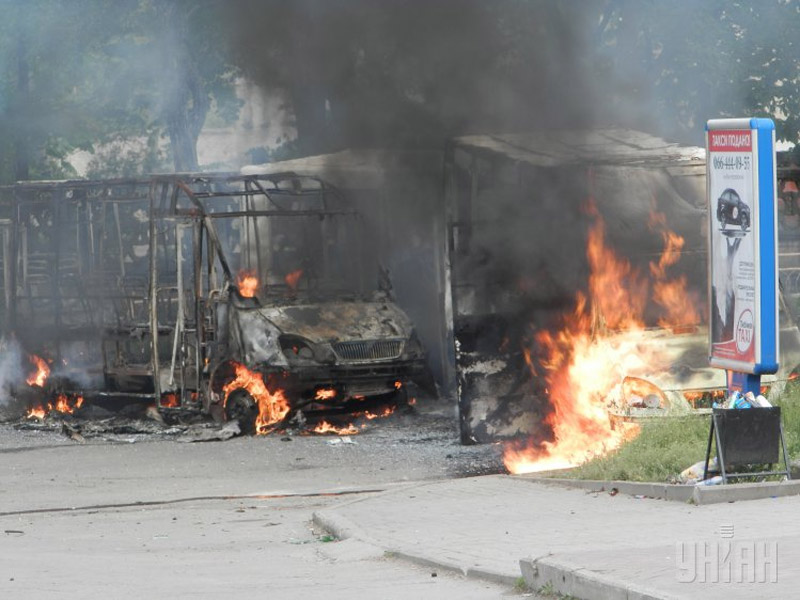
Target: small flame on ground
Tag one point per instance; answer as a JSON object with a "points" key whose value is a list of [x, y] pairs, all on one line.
{"points": [[272, 406], [581, 363], [293, 278], [39, 377], [387, 410], [62, 404], [325, 427], [37, 413], [247, 283], [351, 428]]}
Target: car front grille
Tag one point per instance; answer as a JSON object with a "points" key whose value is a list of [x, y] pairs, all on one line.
{"points": [[368, 350]]}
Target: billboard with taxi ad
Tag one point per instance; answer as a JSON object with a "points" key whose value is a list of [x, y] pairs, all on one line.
{"points": [[743, 281]]}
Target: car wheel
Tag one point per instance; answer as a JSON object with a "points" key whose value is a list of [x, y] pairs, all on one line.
{"points": [[734, 213], [242, 407], [400, 399]]}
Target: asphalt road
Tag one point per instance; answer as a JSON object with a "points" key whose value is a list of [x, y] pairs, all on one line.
{"points": [[132, 516]]}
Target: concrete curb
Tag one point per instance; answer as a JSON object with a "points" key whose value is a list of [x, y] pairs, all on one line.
{"points": [[733, 492], [573, 580], [343, 528], [745, 491]]}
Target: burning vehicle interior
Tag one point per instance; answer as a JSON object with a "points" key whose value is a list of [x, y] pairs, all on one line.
{"points": [[579, 291], [246, 297], [252, 297]]}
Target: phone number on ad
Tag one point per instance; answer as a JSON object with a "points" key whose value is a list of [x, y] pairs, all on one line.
{"points": [[737, 163]]}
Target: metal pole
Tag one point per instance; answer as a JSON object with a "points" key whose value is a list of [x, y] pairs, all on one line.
{"points": [[179, 229], [154, 297], [119, 241], [199, 325]]}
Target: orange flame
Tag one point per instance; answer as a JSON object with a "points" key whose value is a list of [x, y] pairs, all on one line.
{"points": [[37, 413], [615, 286], [325, 427], [39, 377], [272, 406], [582, 363], [325, 394], [293, 278], [62, 405], [387, 410], [247, 283], [170, 400], [671, 295]]}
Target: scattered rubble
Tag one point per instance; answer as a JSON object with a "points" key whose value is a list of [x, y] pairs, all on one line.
{"points": [[212, 434]]}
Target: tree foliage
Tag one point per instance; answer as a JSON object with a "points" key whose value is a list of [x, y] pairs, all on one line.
{"points": [[677, 64], [411, 72], [89, 74]]}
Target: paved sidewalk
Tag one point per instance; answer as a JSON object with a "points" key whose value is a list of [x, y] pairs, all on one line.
{"points": [[591, 545]]}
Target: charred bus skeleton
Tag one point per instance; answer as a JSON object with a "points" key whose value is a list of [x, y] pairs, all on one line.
{"points": [[165, 287]]}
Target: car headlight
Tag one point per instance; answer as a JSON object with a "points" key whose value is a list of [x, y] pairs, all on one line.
{"points": [[299, 350], [296, 348], [413, 347], [258, 338]]}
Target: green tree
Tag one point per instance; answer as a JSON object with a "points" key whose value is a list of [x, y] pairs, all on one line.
{"points": [[79, 74], [676, 64], [179, 57], [413, 72]]}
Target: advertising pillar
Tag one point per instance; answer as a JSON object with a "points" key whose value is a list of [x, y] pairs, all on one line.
{"points": [[743, 265]]}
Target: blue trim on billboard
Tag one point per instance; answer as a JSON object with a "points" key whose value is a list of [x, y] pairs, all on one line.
{"points": [[767, 245]]}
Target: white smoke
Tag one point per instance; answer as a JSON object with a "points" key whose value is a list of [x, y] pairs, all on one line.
{"points": [[11, 371]]}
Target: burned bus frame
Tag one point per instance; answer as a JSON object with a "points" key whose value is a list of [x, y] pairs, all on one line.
{"points": [[113, 280]]}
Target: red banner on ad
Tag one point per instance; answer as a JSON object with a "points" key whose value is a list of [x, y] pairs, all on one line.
{"points": [[730, 140]]}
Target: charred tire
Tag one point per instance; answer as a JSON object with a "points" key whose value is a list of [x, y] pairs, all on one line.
{"points": [[242, 407], [399, 398]]}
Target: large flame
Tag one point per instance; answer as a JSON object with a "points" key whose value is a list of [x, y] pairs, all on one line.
{"points": [[39, 377], [679, 305], [584, 360], [247, 283], [272, 406]]}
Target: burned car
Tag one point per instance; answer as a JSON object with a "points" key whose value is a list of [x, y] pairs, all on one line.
{"points": [[320, 353], [731, 209], [248, 297]]}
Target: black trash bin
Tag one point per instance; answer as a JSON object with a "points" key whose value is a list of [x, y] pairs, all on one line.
{"points": [[747, 436]]}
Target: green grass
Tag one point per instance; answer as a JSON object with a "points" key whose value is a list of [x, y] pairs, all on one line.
{"points": [[663, 449], [659, 453], [790, 415]]}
